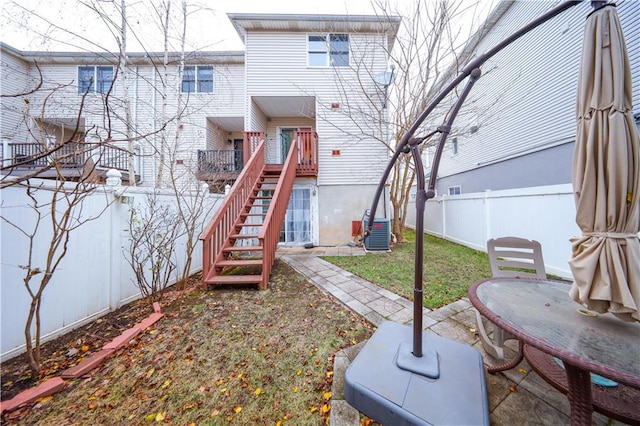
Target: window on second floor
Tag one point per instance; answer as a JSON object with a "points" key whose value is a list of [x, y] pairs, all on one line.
{"points": [[94, 79], [454, 146], [197, 79], [328, 50]]}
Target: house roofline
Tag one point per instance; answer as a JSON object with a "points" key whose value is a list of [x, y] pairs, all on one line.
{"points": [[133, 58], [470, 47], [388, 25]]}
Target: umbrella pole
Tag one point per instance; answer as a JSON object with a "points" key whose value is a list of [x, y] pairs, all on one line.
{"points": [[408, 143]]}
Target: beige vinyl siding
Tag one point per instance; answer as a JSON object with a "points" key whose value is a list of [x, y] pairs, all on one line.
{"points": [[13, 81], [273, 134], [276, 65], [525, 100]]}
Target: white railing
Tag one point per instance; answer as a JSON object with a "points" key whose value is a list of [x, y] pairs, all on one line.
{"points": [[545, 214], [93, 278]]}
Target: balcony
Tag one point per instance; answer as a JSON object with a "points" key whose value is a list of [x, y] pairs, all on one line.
{"points": [[71, 160], [219, 164]]}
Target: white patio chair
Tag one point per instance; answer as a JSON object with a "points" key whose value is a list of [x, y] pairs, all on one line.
{"points": [[509, 257]]}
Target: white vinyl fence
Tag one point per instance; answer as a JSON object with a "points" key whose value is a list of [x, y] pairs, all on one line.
{"points": [[545, 214], [93, 278]]}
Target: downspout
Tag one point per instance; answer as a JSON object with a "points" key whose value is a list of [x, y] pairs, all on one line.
{"points": [[155, 134]]}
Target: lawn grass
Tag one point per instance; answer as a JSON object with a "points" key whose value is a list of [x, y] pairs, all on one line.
{"points": [[449, 269], [235, 355]]}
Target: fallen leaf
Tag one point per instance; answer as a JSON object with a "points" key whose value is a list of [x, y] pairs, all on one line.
{"points": [[279, 423], [45, 399], [219, 382], [512, 388], [327, 395], [165, 384], [299, 372], [295, 389], [329, 374], [325, 408], [150, 372], [159, 417], [149, 417], [237, 409], [215, 413], [522, 370], [313, 409], [84, 348], [258, 391], [93, 406]]}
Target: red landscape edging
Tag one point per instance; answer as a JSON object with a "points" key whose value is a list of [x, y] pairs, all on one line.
{"points": [[56, 384]]}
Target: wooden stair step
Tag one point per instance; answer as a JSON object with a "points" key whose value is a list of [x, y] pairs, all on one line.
{"points": [[260, 198], [252, 214], [242, 248], [238, 262], [248, 224], [240, 236], [234, 279]]}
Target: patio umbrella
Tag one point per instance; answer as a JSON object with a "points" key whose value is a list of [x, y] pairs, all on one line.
{"points": [[606, 257]]}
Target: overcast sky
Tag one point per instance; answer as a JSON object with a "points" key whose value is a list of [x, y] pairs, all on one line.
{"points": [[69, 25], [24, 23]]}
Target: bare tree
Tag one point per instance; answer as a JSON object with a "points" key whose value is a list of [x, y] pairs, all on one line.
{"points": [[428, 42], [154, 228], [57, 210]]}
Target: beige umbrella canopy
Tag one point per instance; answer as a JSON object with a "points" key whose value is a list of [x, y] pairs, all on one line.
{"points": [[606, 175]]}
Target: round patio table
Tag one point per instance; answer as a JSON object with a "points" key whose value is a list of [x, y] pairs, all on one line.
{"points": [[541, 314]]}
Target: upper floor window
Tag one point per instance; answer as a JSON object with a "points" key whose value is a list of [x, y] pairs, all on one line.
{"points": [[328, 50], [197, 79], [454, 146], [94, 79]]}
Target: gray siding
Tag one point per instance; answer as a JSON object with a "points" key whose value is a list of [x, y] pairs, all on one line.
{"points": [[525, 101]]}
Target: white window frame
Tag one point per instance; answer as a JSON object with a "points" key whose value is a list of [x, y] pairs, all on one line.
{"points": [[102, 85], [454, 147], [327, 50], [197, 82], [454, 190]]}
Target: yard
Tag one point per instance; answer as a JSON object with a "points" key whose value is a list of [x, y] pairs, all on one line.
{"points": [[236, 355], [449, 269], [232, 355]]}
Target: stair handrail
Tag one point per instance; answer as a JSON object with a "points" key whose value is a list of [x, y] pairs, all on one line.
{"points": [[215, 237], [270, 232]]}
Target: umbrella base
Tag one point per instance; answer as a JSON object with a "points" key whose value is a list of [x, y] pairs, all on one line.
{"points": [[376, 386]]}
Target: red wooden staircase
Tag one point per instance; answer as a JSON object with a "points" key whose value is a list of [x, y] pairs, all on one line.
{"points": [[240, 243]]}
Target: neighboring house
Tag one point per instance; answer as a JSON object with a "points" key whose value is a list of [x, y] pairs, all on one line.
{"points": [[290, 78], [304, 82], [517, 128]]}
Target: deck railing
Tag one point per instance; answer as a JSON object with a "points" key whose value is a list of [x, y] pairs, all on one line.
{"points": [[220, 160], [215, 236], [270, 231], [34, 155], [70, 155], [250, 143], [307, 153]]}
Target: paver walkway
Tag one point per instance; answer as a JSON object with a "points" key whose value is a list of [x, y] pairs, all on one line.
{"points": [[516, 397]]}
